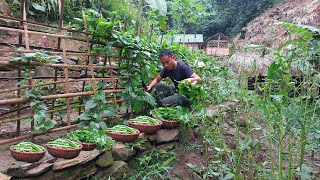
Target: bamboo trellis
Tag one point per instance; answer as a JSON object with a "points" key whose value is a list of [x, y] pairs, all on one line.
{"points": [[64, 69]]}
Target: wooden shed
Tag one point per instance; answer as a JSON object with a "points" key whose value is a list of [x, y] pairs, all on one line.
{"points": [[191, 40], [217, 45]]}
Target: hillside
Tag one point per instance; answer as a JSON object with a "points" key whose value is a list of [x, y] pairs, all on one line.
{"points": [[262, 30]]}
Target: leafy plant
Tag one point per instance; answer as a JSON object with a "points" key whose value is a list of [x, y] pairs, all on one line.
{"points": [[154, 165], [95, 107], [42, 124]]}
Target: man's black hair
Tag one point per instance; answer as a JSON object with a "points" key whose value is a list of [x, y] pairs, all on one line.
{"points": [[166, 52]]}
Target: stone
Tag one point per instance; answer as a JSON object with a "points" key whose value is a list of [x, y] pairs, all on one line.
{"points": [[4, 177], [20, 169], [122, 152], [165, 135], [233, 132], [229, 105], [225, 127], [42, 168], [73, 117], [187, 135], [117, 170], [75, 172], [83, 158], [144, 146], [167, 146], [105, 159], [5, 8]]}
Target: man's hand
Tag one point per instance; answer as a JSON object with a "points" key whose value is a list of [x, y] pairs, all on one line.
{"points": [[148, 88]]}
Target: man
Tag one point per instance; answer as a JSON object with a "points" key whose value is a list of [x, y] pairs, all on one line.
{"points": [[177, 71]]}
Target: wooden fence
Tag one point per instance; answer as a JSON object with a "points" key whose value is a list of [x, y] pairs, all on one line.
{"points": [[60, 77]]}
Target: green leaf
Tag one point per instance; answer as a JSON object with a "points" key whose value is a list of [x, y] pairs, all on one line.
{"points": [[90, 104], [160, 5], [16, 59], [110, 111], [49, 124], [124, 107], [273, 71], [162, 22], [84, 116], [103, 125]]}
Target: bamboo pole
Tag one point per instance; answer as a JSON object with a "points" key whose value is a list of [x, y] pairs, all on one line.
{"points": [[46, 25], [54, 130], [54, 83], [55, 96], [113, 87], [26, 42], [8, 63], [55, 52], [65, 61], [93, 82], [49, 111], [48, 34]]}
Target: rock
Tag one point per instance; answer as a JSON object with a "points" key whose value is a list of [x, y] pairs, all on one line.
{"points": [[225, 127], [229, 105], [165, 135], [42, 168], [233, 132], [105, 159], [20, 169], [74, 172], [187, 135], [167, 146], [83, 158], [73, 117], [117, 170], [144, 146], [5, 9], [122, 152], [4, 177]]}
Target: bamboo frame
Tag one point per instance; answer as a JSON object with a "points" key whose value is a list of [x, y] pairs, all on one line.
{"points": [[57, 52], [58, 68], [49, 111], [56, 96], [54, 130], [53, 83], [15, 63]]}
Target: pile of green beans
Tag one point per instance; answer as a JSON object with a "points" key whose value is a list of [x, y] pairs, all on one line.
{"points": [[27, 147], [122, 129], [64, 144], [144, 120]]}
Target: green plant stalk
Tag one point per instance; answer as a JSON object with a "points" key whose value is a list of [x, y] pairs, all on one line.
{"points": [[303, 132], [281, 137], [239, 151], [290, 157]]}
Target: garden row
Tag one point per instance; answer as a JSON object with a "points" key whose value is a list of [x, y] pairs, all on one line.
{"points": [[89, 139]]}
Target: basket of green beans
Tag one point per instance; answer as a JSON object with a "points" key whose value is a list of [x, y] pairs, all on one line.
{"points": [[145, 124], [122, 133], [27, 152], [64, 148]]}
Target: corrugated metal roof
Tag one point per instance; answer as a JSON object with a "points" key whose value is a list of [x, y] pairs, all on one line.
{"points": [[186, 38]]}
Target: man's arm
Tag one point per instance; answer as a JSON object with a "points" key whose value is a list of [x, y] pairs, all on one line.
{"points": [[194, 78], [154, 82]]}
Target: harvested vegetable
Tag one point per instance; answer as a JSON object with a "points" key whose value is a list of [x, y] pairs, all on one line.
{"points": [[84, 136], [64, 144], [169, 113], [144, 120], [27, 147], [122, 129]]}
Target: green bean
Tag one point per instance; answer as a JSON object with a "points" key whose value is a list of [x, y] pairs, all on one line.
{"points": [[27, 147]]}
